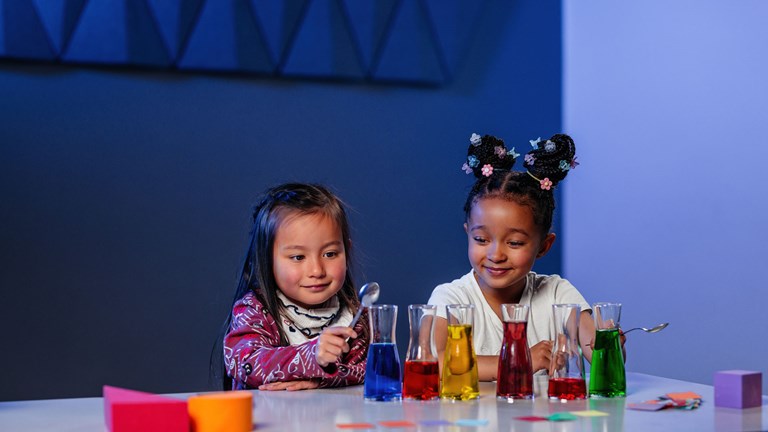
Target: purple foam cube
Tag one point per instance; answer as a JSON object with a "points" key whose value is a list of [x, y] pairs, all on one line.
{"points": [[738, 389]]}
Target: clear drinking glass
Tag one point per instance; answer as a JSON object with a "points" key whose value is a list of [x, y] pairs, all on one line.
{"points": [[459, 378], [382, 370], [515, 375], [566, 369], [421, 378], [607, 377]]}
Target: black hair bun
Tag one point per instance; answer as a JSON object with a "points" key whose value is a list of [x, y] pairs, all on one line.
{"points": [[488, 150], [552, 158]]}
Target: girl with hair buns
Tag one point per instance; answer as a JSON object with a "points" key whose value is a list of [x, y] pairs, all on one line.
{"points": [[508, 221]]}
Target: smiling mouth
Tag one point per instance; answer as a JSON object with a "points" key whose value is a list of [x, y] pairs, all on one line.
{"points": [[316, 287], [496, 271]]}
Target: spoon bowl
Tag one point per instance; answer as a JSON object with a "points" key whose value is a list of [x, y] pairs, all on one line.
{"points": [[369, 294], [654, 329]]}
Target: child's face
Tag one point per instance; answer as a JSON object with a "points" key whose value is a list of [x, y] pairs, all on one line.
{"points": [[504, 242], [309, 259]]}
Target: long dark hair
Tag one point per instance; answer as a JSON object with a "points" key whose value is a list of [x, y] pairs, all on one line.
{"points": [[256, 272], [549, 161]]}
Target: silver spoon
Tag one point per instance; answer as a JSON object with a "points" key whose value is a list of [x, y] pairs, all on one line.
{"points": [[655, 329], [369, 294]]}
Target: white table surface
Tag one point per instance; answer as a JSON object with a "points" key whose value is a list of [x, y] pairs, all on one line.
{"points": [[321, 410]]}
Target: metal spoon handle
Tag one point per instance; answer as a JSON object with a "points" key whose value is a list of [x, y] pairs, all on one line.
{"points": [[357, 317]]}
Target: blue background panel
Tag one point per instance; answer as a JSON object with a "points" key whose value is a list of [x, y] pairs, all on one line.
{"points": [[59, 18], [370, 21], [409, 51], [227, 37], [23, 35], [117, 32], [324, 45], [175, 20]]}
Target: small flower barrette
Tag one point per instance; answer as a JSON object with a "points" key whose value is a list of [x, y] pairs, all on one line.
{"points": [[475, 139], [545, 183]]}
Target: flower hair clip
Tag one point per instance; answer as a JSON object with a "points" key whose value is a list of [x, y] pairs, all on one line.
{"points": [[545, 183], [535, 143], [475, 139]]}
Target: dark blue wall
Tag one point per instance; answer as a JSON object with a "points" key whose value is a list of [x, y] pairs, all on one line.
{"points": [[126, 194]]}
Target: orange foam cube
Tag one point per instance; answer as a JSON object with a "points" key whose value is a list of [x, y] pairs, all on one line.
{"points": [[230, 411]]}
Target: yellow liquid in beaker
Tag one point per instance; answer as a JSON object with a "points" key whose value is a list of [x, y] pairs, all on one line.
{"points": [[459, 380]]}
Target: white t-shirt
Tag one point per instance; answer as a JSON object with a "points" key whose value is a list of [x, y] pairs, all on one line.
{"points": [[541, 292]]}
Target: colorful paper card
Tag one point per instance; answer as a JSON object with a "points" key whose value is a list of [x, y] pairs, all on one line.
{"points": [[562, 416], [435, 423], [646, 406], [683, 395], [471, 422], [532, 418], [356, 426], [397, 424]]}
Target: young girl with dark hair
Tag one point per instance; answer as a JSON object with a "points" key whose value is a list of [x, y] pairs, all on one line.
{"points": [[288, 329], [508, 221]]}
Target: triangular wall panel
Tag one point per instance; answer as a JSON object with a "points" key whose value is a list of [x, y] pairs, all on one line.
{"points": [[369, 21], [278, 22], [323, 46], [3, 51], [117, 31], [226, 37], [24, 36], [175, 20], [409, 52], [455, 22], [59, 18], [386, 41]]}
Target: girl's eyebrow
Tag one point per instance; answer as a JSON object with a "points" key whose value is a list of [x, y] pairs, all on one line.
{"points": [[510, 230], [301, 247]]}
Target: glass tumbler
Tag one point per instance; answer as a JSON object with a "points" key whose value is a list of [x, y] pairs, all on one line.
{"points": [[421, 379], [515, 375], [382, 370], [607, 377], [566, 368], [459, 378]]}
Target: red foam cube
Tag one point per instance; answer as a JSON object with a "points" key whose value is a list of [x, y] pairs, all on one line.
{"points": [[130, 411], [738, 389]]}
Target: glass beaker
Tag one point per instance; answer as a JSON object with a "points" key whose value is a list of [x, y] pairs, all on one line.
{"points": [[566, 368], [515, 375], [459, 378], [607, 377], [382, 370], [421, 379]]}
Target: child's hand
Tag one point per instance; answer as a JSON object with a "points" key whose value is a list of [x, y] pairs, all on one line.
{"points": [[541, 354], [332, 343], [290, 385]]}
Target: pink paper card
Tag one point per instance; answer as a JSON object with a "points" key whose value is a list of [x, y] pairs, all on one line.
{"points": [[646, 406], [532, 418]]}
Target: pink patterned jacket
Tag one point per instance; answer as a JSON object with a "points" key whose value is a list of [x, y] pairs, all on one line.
{"points": [[253, 355]]}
